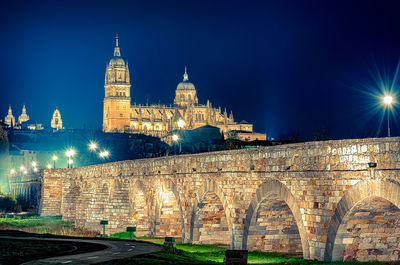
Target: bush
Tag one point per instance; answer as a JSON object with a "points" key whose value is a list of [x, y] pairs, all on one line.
{"points": [[7, 203]]}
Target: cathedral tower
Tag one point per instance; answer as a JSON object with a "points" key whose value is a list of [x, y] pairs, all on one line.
{"points": [[185, 94], [117, 99], [56, 121], [10, 119], [23, 117]]}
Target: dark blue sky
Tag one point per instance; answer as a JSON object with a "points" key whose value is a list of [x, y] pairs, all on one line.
{"points": [[286, 66]]}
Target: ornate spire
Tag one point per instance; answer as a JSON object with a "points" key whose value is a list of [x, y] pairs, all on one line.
{"points": [[9, 110], [23, 109], [117, 52], [185, 75]]}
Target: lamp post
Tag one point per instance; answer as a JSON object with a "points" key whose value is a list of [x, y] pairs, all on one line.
{"points": [[388, 100], [70, 153], [92, 147], [104, 154], [175, 138], [54, 160], [181, 125]]}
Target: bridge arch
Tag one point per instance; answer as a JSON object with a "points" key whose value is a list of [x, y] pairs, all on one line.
{"points": [[139, 214], [357, 203], [169, 213], [214, 197], [272, 193]]}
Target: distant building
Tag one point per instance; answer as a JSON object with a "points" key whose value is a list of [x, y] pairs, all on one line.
{"points": [[9, 119], [157, 120], [23, 117], [56, 121]]}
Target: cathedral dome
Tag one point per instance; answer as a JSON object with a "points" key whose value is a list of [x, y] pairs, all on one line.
{"points": [[185, 84], [117, 61]]}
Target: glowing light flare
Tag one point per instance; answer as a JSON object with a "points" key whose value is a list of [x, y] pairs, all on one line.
{"points": [[175, 138], [54, 158], [35, 169], [22, 168], [93, 146], [388, 100], [70, 152], [48, 166], [70, 161], [12, 171], [34, 163], [181, 124], [104, 154]]}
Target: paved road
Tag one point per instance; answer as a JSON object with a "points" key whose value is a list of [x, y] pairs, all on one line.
{"points": [[114, 250]]}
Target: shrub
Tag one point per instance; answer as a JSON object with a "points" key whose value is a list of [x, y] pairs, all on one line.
{"points": [[7, 203]]}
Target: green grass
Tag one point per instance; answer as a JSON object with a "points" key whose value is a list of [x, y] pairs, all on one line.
{"points": [[211, 254], [43, 225], [32, 221]]}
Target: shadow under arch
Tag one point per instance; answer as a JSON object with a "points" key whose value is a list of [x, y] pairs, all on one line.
{"points": [[211, 186], [281, 192], [359, 192], [170, 185]]}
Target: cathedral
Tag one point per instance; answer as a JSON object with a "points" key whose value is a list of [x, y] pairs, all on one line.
{"points": [[159, 120]]}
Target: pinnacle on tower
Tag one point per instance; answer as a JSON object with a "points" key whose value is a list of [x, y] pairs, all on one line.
{"points": [[117, 52], [9, 110], [185, 75]]}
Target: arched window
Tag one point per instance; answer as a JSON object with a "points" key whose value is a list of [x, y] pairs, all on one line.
{"points": [[182, 97], [189, 97]]}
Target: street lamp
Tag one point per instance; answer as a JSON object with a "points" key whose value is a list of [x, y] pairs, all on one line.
{"points": [[22, 168], [92, 147], [48, 166], [388, 100], [12, 171], [181, 124], [70, 153], [54, 160], [104, 154], [175, 138]]}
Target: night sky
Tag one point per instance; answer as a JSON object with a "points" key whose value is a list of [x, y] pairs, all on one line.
{"points": [[289, 67]]}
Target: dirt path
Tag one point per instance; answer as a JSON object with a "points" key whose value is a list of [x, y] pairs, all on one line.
{"points": [[114, 250]]}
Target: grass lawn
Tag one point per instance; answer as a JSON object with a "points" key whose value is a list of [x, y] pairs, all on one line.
{"points": [[43, 225], [183, 254], [209, 254]]}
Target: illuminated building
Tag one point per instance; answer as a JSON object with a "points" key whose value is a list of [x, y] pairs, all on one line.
{"points": [[56, 121], [158, 120]]}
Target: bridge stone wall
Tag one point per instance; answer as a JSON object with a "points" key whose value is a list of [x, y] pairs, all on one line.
{"points": [[307, 198]]}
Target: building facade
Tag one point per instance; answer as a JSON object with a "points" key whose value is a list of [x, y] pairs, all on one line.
{"points": [[56, 121], [158, 120], [10, 119]]}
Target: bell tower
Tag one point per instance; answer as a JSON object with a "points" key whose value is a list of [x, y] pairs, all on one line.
{"points": [[117, 99]]}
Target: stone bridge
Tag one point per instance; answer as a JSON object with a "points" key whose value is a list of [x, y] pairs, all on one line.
{"points": [[322, 200]]}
